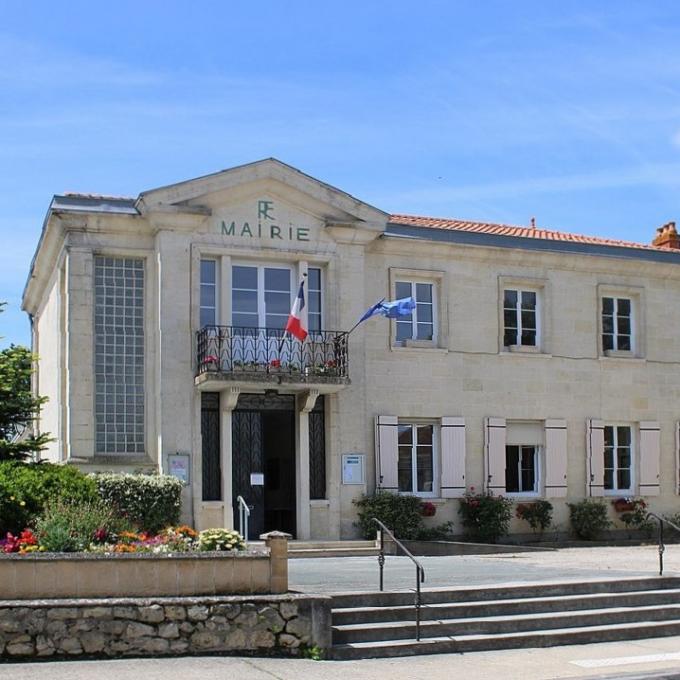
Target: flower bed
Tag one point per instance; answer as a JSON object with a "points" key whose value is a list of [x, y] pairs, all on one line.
{"points": [[136, 566]]}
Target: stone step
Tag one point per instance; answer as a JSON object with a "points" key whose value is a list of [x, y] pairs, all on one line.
{"points": [[332, 552], [504, 607], [305, 545], [517, 640], [493, 625], [504, 591]]}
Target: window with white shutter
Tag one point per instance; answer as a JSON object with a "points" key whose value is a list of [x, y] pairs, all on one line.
{"points": [[494, 458], [649, 458], [595, 458], [386, 453], [555, 458], [453, 457]]}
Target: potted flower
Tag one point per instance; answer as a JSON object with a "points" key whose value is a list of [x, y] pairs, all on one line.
{"points": [[627, 504], [211, 362], [274, 366], [428, 509]]}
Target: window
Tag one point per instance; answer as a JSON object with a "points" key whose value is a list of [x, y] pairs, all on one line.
{"points": [[420, 325], [314, 316], [618, 458], [119, 355], [520, 323], [617, 324], [261, 296], [416, 459], [521, 469], [208, 301]]}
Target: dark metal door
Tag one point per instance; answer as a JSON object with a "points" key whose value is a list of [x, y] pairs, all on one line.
{"points": [[247, 459]]}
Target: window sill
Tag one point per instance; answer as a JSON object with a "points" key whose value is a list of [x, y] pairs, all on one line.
{"points": [[523, 496], [524, 353], [319, 503], [420, 347], [612, 355]]}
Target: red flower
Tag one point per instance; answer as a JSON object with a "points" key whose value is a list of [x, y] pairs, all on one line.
{"points": [[275, 363]]}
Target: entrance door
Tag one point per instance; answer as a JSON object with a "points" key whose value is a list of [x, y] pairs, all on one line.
{"points": [[263, 461]]}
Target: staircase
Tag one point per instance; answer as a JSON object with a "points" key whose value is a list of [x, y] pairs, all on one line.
{"points": [[369, 625]]}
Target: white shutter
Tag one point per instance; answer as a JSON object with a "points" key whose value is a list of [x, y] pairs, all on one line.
{"points": [[595, 458], [386, 453], [453, 457], [555, 458], [494, 460], [649, 458]]}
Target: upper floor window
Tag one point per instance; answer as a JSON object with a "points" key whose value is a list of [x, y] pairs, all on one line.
{"points": [[618, 458], [520, 318], [416, 462], [119, 355], [208, 303], [617, 324], [314, 315], [421, 324], [260, 296]]}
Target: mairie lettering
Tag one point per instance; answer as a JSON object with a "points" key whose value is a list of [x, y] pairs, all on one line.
{"points": [[270, 231]]}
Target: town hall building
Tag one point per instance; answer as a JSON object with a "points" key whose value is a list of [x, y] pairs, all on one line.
{"points": [[536, 364]]}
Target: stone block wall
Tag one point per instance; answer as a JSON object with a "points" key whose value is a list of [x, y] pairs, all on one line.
{"points": [[267, 624]]}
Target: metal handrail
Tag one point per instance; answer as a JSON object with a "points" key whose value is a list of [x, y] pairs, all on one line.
{"points": [[243, 515], [662, 546], [420, 571]]}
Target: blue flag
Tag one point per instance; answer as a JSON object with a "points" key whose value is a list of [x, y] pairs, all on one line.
{"points": [[392, 310]]}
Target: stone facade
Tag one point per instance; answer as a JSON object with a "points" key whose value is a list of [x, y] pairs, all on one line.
{"points": [[284, 625], [479, 393]]}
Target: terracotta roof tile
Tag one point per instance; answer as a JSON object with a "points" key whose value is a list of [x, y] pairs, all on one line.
{"points": [[512, 230]]}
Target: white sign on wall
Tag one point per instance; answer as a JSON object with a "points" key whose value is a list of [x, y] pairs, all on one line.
{"points": [[353, 468]]}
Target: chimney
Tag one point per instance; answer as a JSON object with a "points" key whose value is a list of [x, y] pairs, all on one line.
{"points": [[667, 237]]}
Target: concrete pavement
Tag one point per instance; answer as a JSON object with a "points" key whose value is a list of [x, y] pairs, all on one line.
{"points": [[659, 657]]}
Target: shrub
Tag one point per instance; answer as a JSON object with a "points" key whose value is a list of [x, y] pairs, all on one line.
{"points": [[35, 485], [221, 540], [70, 527], [400, 514], [150, 502], [588, 518], [486, 518], [437, 533], [537, 514]]}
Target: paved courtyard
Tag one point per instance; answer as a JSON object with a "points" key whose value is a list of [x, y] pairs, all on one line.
{"points": [[327, 575]]}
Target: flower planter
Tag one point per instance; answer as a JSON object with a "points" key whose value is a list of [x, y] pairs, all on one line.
{"points": [[78, 575], [624, 505]]}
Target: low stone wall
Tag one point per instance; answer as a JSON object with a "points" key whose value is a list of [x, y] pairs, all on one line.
{"points": [[273, 624]]}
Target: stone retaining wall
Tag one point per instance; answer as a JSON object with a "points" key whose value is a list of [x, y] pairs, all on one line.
{"points": [[273, 624]]}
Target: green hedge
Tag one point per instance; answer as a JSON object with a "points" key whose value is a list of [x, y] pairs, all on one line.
{"points": [[151, 502], [26, 488], [400, 513]]}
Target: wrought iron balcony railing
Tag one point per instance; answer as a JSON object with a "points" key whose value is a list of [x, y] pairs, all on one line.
{"points": [[237, 349]]}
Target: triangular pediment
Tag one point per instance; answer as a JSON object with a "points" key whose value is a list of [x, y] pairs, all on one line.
{"points": [[268, 177]]}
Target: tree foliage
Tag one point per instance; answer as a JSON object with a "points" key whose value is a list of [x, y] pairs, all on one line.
{"points": [[19, 408]]}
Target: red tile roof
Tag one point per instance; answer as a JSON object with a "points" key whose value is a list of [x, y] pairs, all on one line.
{"points": [[511, 230]]}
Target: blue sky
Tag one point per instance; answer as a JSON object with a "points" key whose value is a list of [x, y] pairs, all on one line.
{"points": [[490, 110]]}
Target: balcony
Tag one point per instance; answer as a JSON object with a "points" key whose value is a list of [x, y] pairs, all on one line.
{"points": [[265, 356]]}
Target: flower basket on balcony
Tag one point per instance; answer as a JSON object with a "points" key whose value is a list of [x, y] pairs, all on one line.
{"points": [[211, 363], [627, 504], [428, 509]]}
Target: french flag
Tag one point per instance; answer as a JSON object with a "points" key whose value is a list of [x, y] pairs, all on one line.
{"points": [[294, 325]]}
